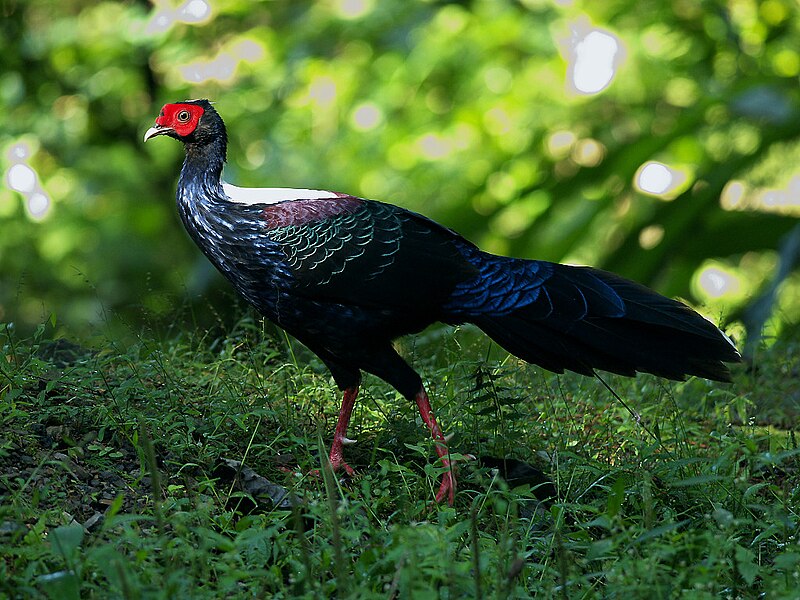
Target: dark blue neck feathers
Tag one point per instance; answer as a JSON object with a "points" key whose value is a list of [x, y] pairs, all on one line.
{"points": [[202, 168]]}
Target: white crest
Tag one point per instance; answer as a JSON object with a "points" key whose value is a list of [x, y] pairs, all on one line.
{"points": [[271, 195]]}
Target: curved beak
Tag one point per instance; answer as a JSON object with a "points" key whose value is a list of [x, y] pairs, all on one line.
{"points": [[157, 130]]}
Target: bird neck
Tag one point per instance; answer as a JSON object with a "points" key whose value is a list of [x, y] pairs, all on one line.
{"points": [[202, 168]]}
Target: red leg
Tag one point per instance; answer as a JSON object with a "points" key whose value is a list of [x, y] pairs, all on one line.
{"points": [[340, 435], [448, 487]]}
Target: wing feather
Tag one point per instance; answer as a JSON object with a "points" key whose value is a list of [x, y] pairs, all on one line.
{"points": [[373, 254]]}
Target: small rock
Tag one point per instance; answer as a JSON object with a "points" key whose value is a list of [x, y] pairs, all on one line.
{"points": [[73, 467], [10, 527], [94, 522], [55, 432]]}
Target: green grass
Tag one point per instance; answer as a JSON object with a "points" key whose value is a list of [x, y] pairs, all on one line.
{"points": [[110, 480]]}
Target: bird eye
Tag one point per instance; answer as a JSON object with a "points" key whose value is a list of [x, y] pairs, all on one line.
{"points": [[183, 116]]}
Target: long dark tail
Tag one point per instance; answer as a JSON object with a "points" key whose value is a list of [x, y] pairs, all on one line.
{"points": [[584, 319]]}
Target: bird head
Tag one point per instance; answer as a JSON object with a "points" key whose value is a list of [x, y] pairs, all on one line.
{"points": [[191, 122]]}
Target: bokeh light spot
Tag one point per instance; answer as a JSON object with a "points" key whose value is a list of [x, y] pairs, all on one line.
{"points": [[651, 236], [657, 179], [191, 12], [560, 143], [433, 146], [322, 90], [717, 283], [498, 79], [588, 153], [732, 195], [195, 11], [223, 67], [777, 200], [21, 178], [594, 56], [354, 9], [366, 116], [38, 205]]}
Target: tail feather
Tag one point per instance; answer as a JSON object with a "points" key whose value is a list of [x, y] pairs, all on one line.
{"points": [[584, 319]]}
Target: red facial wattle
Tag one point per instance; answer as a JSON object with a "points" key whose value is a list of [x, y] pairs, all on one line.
{"points": [[181, 118]]}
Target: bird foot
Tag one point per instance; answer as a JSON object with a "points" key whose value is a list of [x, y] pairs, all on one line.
{"points": [[447, 490], [337, 464]]}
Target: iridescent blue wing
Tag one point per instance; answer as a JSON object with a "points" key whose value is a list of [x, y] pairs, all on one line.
{"points": [[368, 253]]}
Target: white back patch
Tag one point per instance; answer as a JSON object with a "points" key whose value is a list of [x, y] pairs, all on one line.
{"points": [[271, 195]]}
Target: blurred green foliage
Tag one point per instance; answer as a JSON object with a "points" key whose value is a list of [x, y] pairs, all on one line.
{"points": [[461, 110]]}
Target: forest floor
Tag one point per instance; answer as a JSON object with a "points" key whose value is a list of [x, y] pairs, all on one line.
{"points": [[181, 468]]}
